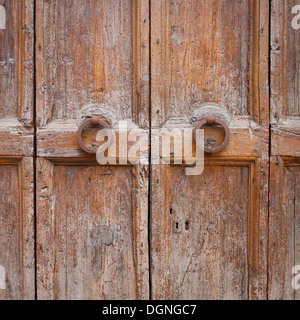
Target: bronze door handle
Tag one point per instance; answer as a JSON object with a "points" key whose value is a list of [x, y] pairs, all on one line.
{"points": [[94, 121], [211, 120]]}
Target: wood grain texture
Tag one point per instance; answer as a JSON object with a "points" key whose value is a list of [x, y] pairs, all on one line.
{"points": [[91, 232], [16, 151], [94, 243], [286, 140], [203, 253], [16, 79], [285, 150], [84, 55], [17, 228], [285, 61], [16, 62], [285, 75], [15, 140], [177, 198], [209, 51], [209, 233], [212, 51], [91, 52], [284, 227]]}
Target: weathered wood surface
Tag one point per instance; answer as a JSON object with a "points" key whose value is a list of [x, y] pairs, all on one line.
{"points": [[212, 51], [16, 151], [91, 52], [199, 234], [17, 228], [285, 73], [211, 236], [16, 79], [16, 67], [284, 233], [90, 232], [92, 221], [284, 227], [286, 140], [200, 53]]}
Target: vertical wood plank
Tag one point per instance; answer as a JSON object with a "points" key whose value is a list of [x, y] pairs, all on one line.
{"points": [[285, 152], [212, 52], [200, 250], [91, 245], [284, 228], [94, 243], [17, 257], [17, 229]]}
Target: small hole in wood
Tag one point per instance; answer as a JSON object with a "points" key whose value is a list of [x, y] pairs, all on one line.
{"points": [[187, 225]]}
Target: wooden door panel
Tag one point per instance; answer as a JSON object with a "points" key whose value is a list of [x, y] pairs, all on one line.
{"points": [[285, 147], [201, 52], [284, 227], [211, 52], [87, 53], [16, 152], [211, 235], [87, 218], [16, 67], [84, 56], [187, 201], [285, 79], [17, 228], [92, 234], [285, 63], [208, 243]]}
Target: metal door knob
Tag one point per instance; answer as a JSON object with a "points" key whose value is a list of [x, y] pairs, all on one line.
{"points": [[211, 120], [94, 121]]}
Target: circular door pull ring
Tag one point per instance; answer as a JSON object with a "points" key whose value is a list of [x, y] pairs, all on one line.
{"points": [[94, 121], [211, 120]]}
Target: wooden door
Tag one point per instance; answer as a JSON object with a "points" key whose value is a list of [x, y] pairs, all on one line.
{"points": [[73, 229], [92, 235], [17, 151], [217, 52], [285, 151]]}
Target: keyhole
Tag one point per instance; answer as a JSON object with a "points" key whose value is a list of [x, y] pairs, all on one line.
{"points": [[2, 17], [177, 226]]}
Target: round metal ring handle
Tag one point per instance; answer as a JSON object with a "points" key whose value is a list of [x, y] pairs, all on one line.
{"points": [[211, 120], [94, 121]]}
